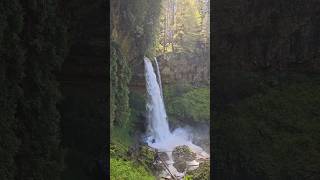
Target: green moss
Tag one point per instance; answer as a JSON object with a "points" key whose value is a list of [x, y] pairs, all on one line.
{"points": [[120, 77], [183, 153], [121, 140], [145, 157], [201, 173], [187, 177], [137, 105], [188, 103], [127, 170]]}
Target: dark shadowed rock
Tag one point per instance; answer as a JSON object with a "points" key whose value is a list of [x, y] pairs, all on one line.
{"points": [[164, 156], [180, 166]]}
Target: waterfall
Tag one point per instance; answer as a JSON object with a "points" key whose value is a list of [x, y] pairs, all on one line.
{"points": [[159, 136], [159, 77], [158, 124]]}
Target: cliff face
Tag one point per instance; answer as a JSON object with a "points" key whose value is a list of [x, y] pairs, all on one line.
{"points": [[133, 24], [186, 68]]}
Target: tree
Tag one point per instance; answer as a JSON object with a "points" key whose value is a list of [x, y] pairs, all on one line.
{"points": [[183, 26]]}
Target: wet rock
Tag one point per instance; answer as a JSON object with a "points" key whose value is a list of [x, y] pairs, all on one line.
{"points": [[202, 172], [181, 166], [158, 166], [164, 156], [183, 153]]}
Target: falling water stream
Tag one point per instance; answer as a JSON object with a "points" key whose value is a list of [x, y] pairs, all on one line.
{"points": [[159, 76], [159, 135]]}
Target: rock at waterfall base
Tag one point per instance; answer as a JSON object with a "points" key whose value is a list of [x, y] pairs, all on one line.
{"points": [[183, 153], [202, 172]]}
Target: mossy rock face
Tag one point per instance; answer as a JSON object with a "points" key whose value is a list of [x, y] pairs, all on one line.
{"points": [[202, 172], [118, 150], [146, 155], [181, 166], [183, 153]]}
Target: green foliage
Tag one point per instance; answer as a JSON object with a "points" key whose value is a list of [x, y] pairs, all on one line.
{"points": [[201, 173], [146, 156], [120, 77], [127, 170], [113, 84], [188, 103], [121, 149], [182, 154], [137, 102], [134, 21], [121, 137], [187, 177], [133, 27], [271, 136], [184, 26], [137, 105]]}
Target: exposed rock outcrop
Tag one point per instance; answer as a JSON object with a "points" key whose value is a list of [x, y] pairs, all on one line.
{"points": [[183, 153], [189, 68]]}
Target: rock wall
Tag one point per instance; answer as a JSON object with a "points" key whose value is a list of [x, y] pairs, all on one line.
{"points": [[187, 68]]}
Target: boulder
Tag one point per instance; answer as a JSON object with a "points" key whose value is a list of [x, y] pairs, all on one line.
{"points": [[183, 153], [202, 172], [181, 166], [164, 156]]}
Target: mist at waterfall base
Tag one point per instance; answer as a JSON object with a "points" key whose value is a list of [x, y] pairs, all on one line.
{"points": [[159, 135]]}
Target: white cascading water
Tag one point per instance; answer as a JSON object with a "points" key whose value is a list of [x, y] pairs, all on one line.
{"points": [[159, 77], [159, 136], [158, 124]]}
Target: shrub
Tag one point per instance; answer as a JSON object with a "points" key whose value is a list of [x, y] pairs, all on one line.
{"points": [[201, 173], [193, 104], [127, 170]]}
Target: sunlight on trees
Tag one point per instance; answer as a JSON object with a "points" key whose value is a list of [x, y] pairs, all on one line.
{"points": [[184, 26]]}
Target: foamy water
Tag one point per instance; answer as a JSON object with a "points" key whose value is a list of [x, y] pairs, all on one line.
{"points": [[159, 135]]}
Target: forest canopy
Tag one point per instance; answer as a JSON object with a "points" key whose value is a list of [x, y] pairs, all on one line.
{"points": [[184, 26]]}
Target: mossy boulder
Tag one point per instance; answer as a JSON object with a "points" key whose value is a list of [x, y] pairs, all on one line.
{"points": [[183, 153], [146, 156], [201, 173]]}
